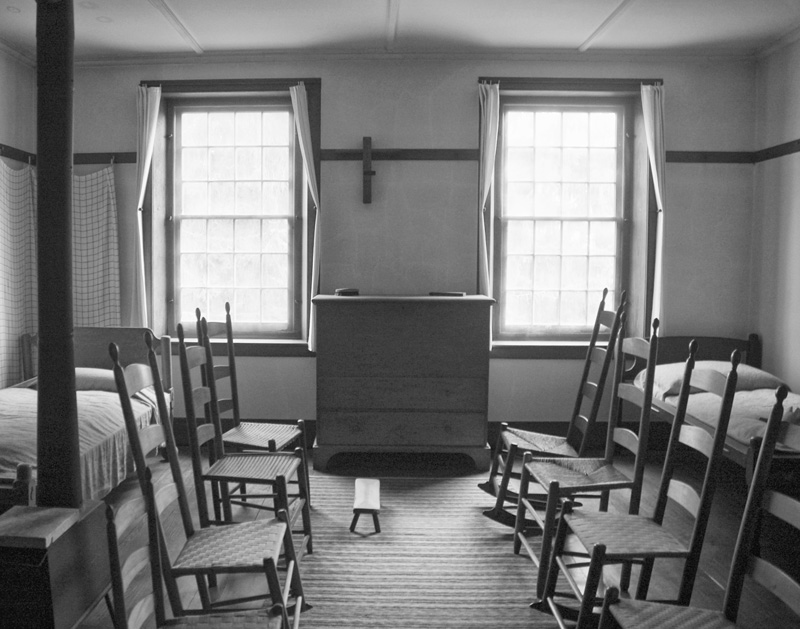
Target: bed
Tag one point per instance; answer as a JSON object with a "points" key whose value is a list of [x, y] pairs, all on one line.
{"points": [[105, 455], [753, 401]]}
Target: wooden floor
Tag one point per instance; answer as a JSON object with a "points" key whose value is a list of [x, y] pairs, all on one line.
{"points": [[759, 609]]}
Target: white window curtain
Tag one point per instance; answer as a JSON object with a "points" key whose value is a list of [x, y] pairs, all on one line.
{"points": [[489, 101], [653, 109], [18, 308], [300, 107], [95, 250], [148, 100]]}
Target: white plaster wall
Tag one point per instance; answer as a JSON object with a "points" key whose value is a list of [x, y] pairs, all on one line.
{"points": [[17, 103], [419, 234], [776, 215]]}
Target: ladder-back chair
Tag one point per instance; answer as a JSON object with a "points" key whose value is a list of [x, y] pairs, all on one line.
{"points": [[228, 474], [625, 539], [249, 435], [512, 442], [593, 478], [206, 552], [746, 561], [137, 581]]}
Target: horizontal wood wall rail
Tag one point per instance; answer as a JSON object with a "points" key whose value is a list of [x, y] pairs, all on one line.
{"points": [[710, 157], [439, 155], [454, 155], [104, 158], [17, 154]]}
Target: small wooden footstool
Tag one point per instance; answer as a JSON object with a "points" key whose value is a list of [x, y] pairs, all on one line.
{"points": [[367, 500]]}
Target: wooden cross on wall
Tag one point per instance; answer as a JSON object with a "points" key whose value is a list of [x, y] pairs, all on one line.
{"points": [[368, 172], [366, 155]]}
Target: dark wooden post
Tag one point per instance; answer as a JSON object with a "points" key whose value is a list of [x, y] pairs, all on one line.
{"points": [[59, 472]]}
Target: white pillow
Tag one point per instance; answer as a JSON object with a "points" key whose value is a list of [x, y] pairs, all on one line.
{"points": [[668, 378], [792, 415], [92, 379]]}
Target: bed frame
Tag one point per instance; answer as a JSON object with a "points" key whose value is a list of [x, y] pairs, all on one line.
{"points": [[91, 350], [672, 349]]}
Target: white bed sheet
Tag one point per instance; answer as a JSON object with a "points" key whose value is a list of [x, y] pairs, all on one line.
{"points": [[106, 458], [748, 414]]}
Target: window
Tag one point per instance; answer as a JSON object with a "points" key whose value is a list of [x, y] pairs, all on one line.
{"points": [[561, 215], [229, 216], [236, 215], [571, 208]]}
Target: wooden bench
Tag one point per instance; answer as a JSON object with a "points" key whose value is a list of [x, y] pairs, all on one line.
{"points": [[367, 500]]}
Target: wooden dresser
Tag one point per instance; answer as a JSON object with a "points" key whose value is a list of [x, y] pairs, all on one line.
{"points": [[402, 374]]}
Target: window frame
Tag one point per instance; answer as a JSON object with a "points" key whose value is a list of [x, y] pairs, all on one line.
{"points": [[157, 213], [174, 108], [639, 219], [621, 107]]}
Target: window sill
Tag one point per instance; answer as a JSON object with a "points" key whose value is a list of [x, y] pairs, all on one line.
{"points": [[258, 348], [539, 350]]}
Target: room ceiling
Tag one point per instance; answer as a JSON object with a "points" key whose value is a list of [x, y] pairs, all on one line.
{"points": [[117, 30]]}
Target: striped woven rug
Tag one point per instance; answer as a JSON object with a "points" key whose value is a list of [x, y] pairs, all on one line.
{"points": [[437, 563]]}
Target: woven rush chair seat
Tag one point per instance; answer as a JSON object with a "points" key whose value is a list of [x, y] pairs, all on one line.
{"points": [[538, 442], [585, 474], [260, 619], [642, 537], [235, 548], [652, 615], [264, 466], [262, 436]]}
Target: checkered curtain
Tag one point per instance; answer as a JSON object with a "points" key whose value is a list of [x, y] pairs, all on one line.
{"points": [[95, 250], [18, 307]]}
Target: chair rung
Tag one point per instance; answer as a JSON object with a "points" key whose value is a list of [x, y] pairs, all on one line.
{"points": [[529, 549]]}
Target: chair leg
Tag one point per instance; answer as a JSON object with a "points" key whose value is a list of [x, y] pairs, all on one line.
{"points": [[296, 583], [488, 486], [498, 512], [302, 486], [585, 617], [552, 572], [547, 537]]}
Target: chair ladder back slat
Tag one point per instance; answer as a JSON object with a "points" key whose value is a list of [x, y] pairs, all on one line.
{"points": [[205, 433], [221, 372], [598, 355], [200, 397], [216, 329], [783, 507], [709, 380], [772, 578], [582, 424], [590, 391], [165, 496], [135, 564], [685, 495], [697, 438], [627, 439], [224, 405], [138, 376], [151, 437]]}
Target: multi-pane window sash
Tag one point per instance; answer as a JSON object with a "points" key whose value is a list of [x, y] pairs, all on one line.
{"points": [[561, 217], [235, 215]]}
